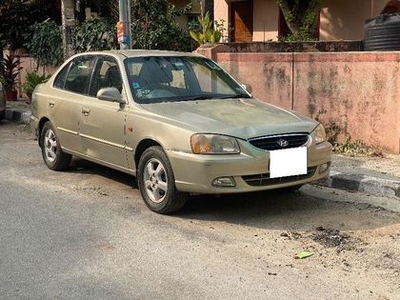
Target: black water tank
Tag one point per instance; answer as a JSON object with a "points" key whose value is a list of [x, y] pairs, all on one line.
{"points": [[382, 33]]}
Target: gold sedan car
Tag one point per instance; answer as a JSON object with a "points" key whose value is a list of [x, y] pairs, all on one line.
{"points": [[178, 123]]}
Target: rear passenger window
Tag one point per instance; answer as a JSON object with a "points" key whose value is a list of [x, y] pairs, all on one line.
{"points": [[76, 75]]}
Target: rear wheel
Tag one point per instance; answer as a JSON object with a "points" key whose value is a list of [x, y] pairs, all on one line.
{"points": [[53, 156], [157, 182]]}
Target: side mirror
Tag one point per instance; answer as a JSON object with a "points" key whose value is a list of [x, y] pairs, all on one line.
{"points": [[247, 87], [110, 94]]}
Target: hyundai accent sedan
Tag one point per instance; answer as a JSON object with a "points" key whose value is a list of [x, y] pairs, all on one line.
{"points": [[178, 123]]}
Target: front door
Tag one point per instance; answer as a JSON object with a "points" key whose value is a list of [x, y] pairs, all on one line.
{"points": [[102, 125], [242, 20]]}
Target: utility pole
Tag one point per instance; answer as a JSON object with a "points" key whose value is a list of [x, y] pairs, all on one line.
{"points": [[124, 24]]}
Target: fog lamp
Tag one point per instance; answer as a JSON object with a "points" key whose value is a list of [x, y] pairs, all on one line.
{"points": [[324, 167], [224, 182]]}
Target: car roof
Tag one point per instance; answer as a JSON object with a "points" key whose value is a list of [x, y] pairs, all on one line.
{"points": [[141, 52]]}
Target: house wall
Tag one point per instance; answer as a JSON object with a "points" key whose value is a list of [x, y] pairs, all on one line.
{"points": [[358, 91], [342, 19], [339, 19], [28, 64], [221, 12], [265, 22]]}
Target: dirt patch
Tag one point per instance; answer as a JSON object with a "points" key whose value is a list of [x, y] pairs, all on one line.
{"points": [[329, 237]]}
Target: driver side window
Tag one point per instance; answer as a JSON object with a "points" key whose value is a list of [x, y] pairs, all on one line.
{"points": [[106, 74]]}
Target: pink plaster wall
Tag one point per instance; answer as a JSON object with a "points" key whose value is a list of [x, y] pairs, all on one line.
{"points": [[28, 64], [360, 91]]}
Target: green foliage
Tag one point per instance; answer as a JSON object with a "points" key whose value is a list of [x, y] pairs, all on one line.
{"points": [[301, 17], [10, 64], [207, 33], [332, 128], [298, 37], [348, 146], [32, 79], [354, 148], [18, 16], [95, 35], [154, 26], [44, 42]]}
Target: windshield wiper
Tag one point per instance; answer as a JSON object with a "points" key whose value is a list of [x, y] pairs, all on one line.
{"points": [[200, 97], [234, 96], [209, 97]]}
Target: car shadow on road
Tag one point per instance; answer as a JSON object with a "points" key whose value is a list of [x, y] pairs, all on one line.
{"points": [[288, 211], [276, 209], [86, 167]]}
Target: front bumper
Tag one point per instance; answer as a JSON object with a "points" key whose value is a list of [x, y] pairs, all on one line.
{"points": [[249, 171]]}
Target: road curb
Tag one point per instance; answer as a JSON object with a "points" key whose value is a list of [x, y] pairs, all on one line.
{"points": [[17, 115], [362, 183]]}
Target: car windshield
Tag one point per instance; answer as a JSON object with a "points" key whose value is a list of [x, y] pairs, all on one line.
{"points": [[179, 78]]}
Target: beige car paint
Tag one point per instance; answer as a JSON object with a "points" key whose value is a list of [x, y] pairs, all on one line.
{"points": [[110, 133]]}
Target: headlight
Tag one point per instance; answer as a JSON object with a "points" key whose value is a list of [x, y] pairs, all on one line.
{"points": [[320, 134], [213, 144]]}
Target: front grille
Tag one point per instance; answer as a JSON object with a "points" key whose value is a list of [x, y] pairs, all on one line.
{"points": [[277, 142], [264, 179]]}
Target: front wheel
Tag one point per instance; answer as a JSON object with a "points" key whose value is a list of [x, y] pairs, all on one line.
{"points": [[53, 156], [157, 182]]}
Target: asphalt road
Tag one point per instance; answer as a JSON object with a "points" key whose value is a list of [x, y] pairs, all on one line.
{"points": [[86, 234]]}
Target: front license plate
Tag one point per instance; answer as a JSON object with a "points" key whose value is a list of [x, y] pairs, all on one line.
{"points": [[288, 162]]}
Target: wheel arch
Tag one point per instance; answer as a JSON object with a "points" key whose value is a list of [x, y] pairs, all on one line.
{"points": [[142, 146], [40, 128]]}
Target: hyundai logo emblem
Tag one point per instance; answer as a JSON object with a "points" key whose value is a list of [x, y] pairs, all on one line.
{"points": [[283, 143]]}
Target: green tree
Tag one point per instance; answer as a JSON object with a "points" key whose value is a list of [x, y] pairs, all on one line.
{"points": [[16, 16], [95, 35], [301, 16], [210, 32], [154, 26], [44, 43]]}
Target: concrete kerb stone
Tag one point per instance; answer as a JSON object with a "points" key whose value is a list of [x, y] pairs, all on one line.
{"points": [[18, 115], [362, 183]]}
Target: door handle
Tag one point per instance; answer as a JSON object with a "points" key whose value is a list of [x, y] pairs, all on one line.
{"points": [[85, 111]]}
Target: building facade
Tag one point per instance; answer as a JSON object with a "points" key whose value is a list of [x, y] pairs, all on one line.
{"points": [[262, 20]]}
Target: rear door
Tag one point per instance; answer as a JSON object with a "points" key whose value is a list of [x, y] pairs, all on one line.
{"points": [[63, 106]]}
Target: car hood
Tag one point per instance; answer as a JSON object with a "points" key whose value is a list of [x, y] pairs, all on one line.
{"points": [[243, 118]]}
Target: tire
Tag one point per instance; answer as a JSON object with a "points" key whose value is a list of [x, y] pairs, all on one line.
{"points": [[157, 182], [53, 156]]}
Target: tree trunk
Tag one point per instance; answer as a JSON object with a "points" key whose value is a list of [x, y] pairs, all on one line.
{"points": [[301, 16]]}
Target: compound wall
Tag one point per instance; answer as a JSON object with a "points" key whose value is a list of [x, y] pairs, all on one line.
{"points": [[357, 91]]}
